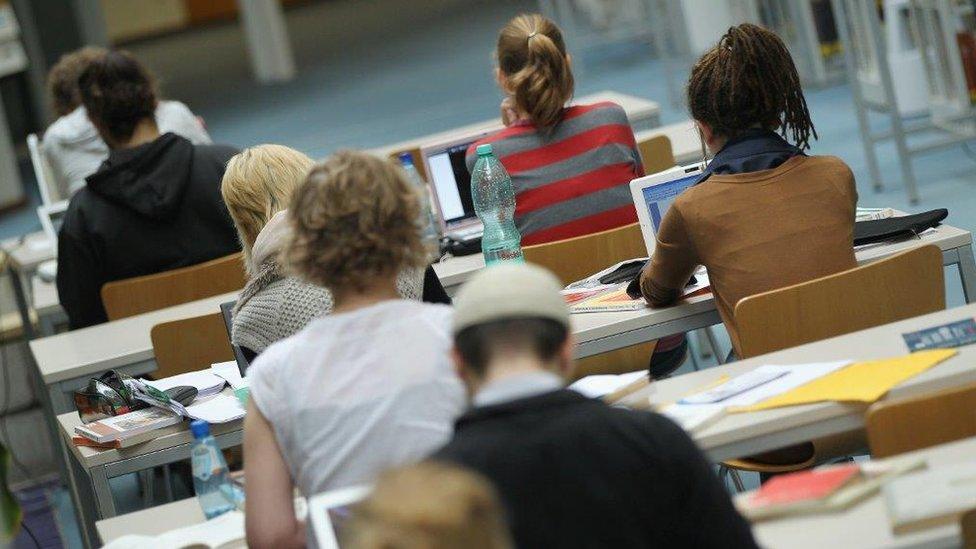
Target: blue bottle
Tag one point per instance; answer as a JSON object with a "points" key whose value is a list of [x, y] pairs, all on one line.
{"points": [[431, 230], [494, 201], [210, 478]]}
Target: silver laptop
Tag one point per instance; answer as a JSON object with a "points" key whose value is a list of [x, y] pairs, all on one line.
{"points": [[330, 512], [654, 194], [450, 182]]}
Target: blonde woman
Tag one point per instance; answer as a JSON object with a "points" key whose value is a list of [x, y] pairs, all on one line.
{"points": [[365, 388], [257, 187], [431, 506]]}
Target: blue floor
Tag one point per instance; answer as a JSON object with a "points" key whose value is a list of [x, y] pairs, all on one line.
{"points": [[369, 87]]}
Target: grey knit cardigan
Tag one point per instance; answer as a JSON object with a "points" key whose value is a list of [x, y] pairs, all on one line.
{"points": [[273, 306]]}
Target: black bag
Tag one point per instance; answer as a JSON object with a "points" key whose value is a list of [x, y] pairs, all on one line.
{"points": [[880, 230]]}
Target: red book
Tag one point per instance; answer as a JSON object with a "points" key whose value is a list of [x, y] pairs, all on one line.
{"points": [[804, 486]]}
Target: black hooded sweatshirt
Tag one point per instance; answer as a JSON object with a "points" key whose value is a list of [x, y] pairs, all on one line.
{"points": [[147, 209]]}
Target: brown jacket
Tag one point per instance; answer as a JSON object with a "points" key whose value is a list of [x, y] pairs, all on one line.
{"points": [[756, 232]]}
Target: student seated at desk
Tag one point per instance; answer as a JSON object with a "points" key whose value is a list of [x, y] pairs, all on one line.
{"points": [[365, 388], [257, 187], [72, 145], [153, 206], [572, 471], [431, 506], [571, 167], [764, 215]]}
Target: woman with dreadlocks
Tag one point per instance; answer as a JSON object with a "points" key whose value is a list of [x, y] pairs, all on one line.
{"points": [[764, 214]]}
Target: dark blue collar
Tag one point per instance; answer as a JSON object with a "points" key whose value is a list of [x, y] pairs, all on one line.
{"points": [[752, 151]]}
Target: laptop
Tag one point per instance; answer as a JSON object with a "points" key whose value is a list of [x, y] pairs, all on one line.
{"points": [[227, 310], [330, 511], [450, 181], [654, 194]]}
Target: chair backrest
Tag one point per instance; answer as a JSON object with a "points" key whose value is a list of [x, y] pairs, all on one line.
{"points": [[903, 425], [581, 256], [46, 182], [656, 153], [902, 286], [190, 344], [578, 257], [141, 294], [968, 523]]}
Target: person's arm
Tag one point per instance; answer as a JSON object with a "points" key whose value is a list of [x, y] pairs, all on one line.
{"points": [[673, 263], [270, 511], [79, 281], [433, 289]]}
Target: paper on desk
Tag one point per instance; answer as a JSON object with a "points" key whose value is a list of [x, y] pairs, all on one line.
{"points": [[797, 375], [860, 382], [222, 531], [205, 382], [219, 409], [602, 385], [231, 372]]}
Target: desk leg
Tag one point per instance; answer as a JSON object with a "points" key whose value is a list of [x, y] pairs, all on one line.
{"points": [[22, 306], [103, 493], [83, 498], [967, 272]]}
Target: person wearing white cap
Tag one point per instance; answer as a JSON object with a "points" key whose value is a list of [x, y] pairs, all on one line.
{"points": [[571, 471]]}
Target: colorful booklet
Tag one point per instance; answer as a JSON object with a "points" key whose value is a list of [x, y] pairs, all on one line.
{"points": [[127, 426]]}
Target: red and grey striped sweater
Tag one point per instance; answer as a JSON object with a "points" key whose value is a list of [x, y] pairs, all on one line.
{"points": [[574, 179]]}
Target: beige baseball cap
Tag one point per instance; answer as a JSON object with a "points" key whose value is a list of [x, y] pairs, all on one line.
{"points": [[519, 290]]}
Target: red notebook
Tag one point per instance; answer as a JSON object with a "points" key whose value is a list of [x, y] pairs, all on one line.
{"points": [[804, 486]]}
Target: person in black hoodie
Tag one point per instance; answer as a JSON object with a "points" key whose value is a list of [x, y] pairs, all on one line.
{"points": [[152, 206], [571, 471]]}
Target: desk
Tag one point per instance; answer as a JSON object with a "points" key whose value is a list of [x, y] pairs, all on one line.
{"points": [[642, 113], [740, 435], [154, 521], [90, 469], [866, 524], [24, 256], [686, 145]]}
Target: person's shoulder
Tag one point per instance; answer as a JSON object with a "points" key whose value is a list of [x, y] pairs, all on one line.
{"points": [[436, 316], [173, 108], [831, 163], [69, 128], [273, 360], [606, 111]]}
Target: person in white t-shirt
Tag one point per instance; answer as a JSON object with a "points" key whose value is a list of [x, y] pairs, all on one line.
{"points": [[366, 388], [71, 144]]}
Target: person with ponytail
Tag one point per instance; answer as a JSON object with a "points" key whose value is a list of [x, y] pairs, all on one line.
{"points": [[570, 166], [764, 215]]}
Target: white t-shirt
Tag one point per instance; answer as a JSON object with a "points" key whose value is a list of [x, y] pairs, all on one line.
{"points": [[74, 149], [356, 393]]}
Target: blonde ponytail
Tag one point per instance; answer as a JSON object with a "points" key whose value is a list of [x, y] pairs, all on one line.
{"points": [[532, 55]]}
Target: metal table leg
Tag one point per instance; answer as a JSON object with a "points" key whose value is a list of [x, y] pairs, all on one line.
{"points": [[967, 272], [22, 305]]}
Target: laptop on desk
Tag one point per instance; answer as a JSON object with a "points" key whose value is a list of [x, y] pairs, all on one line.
{"points": [[654, 194], [450, 182], [330, 513]]}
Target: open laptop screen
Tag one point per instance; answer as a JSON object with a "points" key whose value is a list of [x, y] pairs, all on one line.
{"points": [[452, 182], [658, 198]]}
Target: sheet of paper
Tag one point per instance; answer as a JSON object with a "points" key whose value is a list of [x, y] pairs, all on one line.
{"points": [[219, 409], [860, 382], [204, 380], [797, 375], [694, 417], [231, 372], [602, 385]]}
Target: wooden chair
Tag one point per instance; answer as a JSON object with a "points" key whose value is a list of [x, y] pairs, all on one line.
{"points": [[905, 285], [656, 154], [141, 294], [190, 344], [903, 425], [902, 286], [968, 524], [575, 258]]}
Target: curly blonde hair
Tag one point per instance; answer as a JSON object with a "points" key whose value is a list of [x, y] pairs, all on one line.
{"points": [[354, 219]]}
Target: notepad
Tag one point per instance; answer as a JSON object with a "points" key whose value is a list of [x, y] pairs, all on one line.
{"points": [[219, 409], [864, 382]]}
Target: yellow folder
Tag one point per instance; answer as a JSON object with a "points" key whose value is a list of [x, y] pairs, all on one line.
{"points": [[860, 382]]}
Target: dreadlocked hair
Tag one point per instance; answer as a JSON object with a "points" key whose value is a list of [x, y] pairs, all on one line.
{"points": [[746, 80], [532, 54]]}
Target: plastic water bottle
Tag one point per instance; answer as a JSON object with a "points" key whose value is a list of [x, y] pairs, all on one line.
{"points": [[210, 478], [494, 201], [431, 230]]}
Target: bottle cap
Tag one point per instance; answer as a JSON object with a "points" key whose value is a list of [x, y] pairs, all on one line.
{"points": [[406, 158], [484, 150], [199, 428]]}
